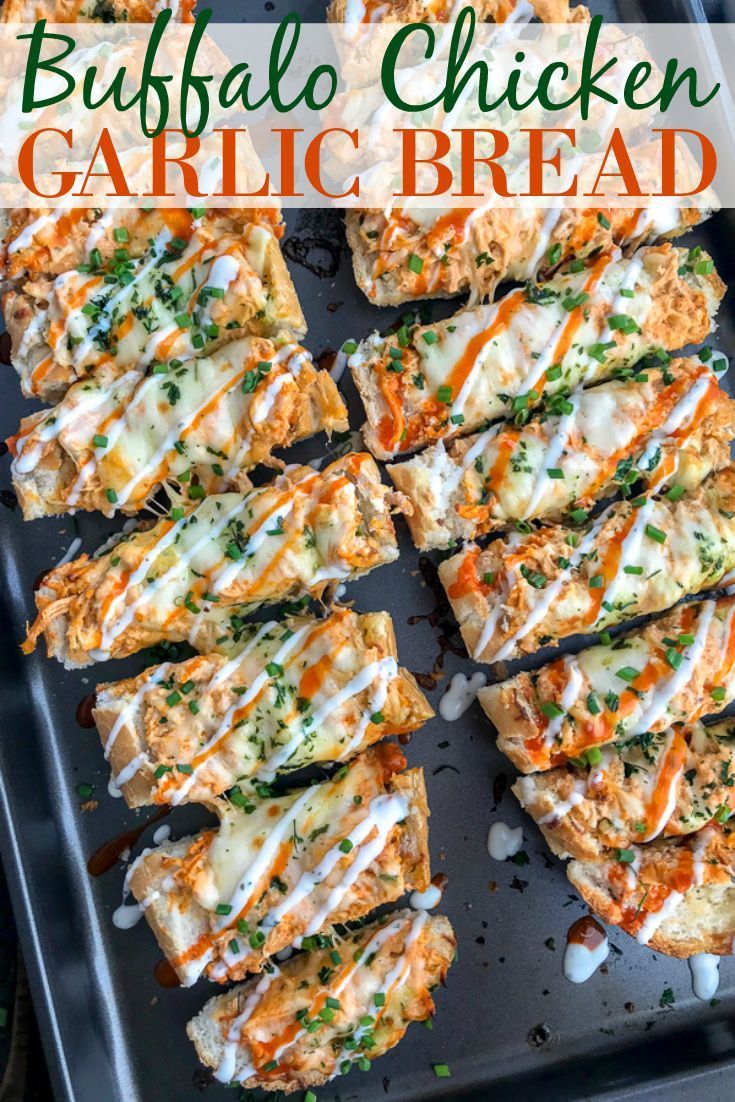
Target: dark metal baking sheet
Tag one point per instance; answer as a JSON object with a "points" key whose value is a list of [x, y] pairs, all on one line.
{"points": [[508, 1023]]}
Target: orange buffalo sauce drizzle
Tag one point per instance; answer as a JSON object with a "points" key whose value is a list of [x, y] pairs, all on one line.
{"points": [[575, 319], [651, 418], [662, 877], [274, 870], [724, 673], [627, 225], [202, 583], [461, 370], [304, 489], [669, 773], [468, 580], [651, 893], [210, 406], [505, 444], [391, 426], [608, 567], [504, 9], [327, 495], [120, 584]]}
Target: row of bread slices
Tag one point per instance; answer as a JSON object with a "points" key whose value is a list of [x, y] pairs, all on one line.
{"points": [[167, 338], [618, 771], [262, 699], [614, 770]]}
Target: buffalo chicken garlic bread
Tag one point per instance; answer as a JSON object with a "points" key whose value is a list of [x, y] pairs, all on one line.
{"points": [[441, 11], [668, 784], [674, 670], [50, 241], [416, 254], [183, 296], [662, 425], [449, 379], [294, 692], [94, 11], [675, 895], [324, 1012], [117, 436], [297, 536], [282, 869], [639, 556]]}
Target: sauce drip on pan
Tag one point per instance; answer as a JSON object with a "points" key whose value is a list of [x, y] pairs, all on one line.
{"points": [[104, 858], [83, 713], [440, 617], [586, 931], [164, 974], [587, 949]]}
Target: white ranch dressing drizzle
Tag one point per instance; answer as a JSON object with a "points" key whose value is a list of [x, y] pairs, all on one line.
{"points": [[154, 461], [115, 430], [426, 900], [552, 455], [131, 708], [225, 1071], [397, 976], [128, 915], [70, 552], [551, 220], [384, 812], [383, 670], [126, 774], [575, 797], [679, 418], [27, 461], [664, 693], [580, 963], [256, 686], [227, 1067], [705, 969], [628, 550], [460, 695], [574, 682], [111, 628], [654, 919], [84, 346], [504, 841], [227, 573], [27, 234]]}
